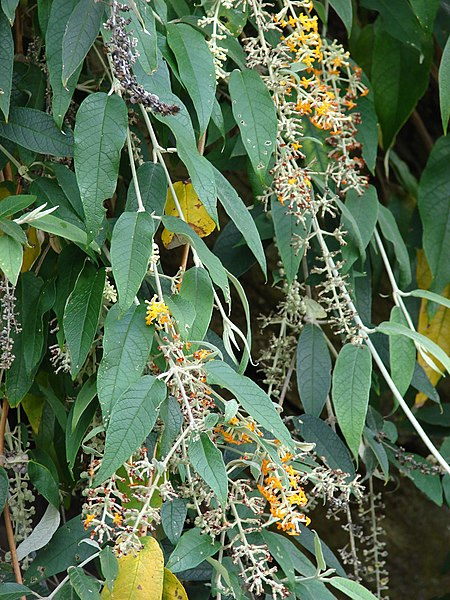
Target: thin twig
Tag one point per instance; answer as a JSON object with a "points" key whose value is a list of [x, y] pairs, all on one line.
{"points": [[6, 511]]}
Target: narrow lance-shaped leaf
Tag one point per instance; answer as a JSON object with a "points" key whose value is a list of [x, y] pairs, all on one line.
{"points": [[253, 399], [199, 168], [255, 115], [345, 12], [36, 131], [126, 345], [434, 209], [100, 133], [426, 343], [402, 354], [207, 460], [82, 313], [289, 233], [6, 64], [81, 30], [11, 255], [313, 369], [131, 248], [60, 12], [196, 67], [144, 31], [132, 418], [240, 216], [351, 386], [444, 86]]}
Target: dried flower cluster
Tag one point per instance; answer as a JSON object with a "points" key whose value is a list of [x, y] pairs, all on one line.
{"points": [[122, 50]]}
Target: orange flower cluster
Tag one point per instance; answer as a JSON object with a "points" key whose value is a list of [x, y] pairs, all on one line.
{"points": [[235, 434], [284, 494], [157, 311]]}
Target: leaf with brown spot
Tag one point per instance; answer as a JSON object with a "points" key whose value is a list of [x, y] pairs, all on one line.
{"points": [[172, 589], [140, 577]]}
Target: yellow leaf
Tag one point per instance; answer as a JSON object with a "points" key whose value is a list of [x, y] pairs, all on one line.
{"points": [[140, 577], [193, 211], [32, 250], [438, 330], [173, 589], [33, 407]]}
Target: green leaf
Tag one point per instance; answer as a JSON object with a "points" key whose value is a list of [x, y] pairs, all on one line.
{"points": [[11, 255], [4, 488], [126, 347], [425, 11], [444, 86], [431, 296], [239, 214], [399, 20], [282, 550], [67, 181], [173, 516], [64, 229], [256, 117], [133, 416], [434, 209], [44, 482], [207, 460], [289, 234], [364, 212], [81, 30], [64, 550], [391, 232], [252, 398], [196, 68], [192, 549], [429, 345], [131, 248], [199, 168], [109, 565], [367, 133], [76, 433], [399, 79], [36, 131], [153, 187], [6, 64], [184, 312], [402, 354], [211, 262], [33, 301], [60, 12], [14, 204], [351, 386], [144, 31], [197, 288], [82, 313], [9, 8], [84, 399], [100, 133], [173, 419], [84, 586], [345, 12], [313, 369], [42, 533], [328, 443], [13, 591], [352, 589], [14, 231]]}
